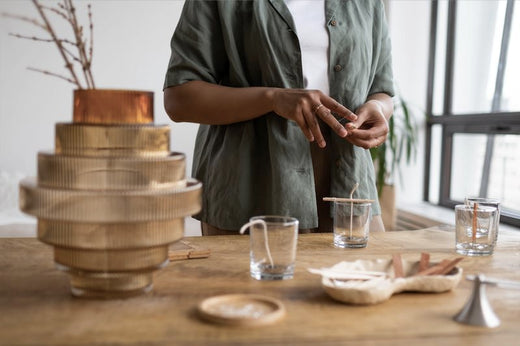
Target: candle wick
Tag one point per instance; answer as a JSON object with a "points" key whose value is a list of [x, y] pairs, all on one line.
{"points": [[474, 224], [352, 208], [266, 242]]}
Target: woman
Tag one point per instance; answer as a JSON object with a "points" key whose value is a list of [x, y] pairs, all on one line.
{"points": [[273, 85]]}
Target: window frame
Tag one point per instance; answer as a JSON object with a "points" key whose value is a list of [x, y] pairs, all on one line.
{"points": [[490, 123]]}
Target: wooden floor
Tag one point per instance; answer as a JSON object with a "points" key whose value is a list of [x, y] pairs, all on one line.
{"points": [[411, 221]]}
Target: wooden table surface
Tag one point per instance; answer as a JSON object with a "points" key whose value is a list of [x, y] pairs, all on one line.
{"points": [[36, 307]]}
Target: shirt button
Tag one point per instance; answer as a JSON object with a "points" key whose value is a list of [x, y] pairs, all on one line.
{"points": [[333, 23], [338, 68]]}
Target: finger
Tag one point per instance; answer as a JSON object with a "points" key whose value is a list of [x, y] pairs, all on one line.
{"points": [[356, 124], [372, 126], [368, 133], [339, 109], [330, 120], [314, 127], [307, 133], [300, 120]]}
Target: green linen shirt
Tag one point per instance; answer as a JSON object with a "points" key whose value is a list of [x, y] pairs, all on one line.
{"points": [[264, 166]]}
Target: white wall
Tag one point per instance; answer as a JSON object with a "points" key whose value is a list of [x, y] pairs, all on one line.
{"points": [[131, 51], [409, 22]]}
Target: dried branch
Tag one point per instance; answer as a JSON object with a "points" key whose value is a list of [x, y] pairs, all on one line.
{"points": [[40, 39], [56, 11], [24, 19], [91, 46], [51, 32], [78, 34], [32, 38], [51, 74], [83, 57], [72, 55]]}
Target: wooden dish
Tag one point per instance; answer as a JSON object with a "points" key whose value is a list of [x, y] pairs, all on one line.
{"points": [[381, 288], [244, 310]]}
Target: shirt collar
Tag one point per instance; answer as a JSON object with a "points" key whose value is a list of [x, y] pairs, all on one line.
{"points": [[282, 9]]}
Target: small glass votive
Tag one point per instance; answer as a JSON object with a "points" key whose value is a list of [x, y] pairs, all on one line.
{"points": [[489, 202], [475, 229], [273, 241], [351, 224]]}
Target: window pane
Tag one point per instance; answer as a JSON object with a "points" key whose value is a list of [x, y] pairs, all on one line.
{"points": [[504, 182], [477, 46], [510, 100], [467, 166]]}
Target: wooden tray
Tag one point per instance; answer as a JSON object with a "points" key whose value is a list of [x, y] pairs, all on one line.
{"points": [[380, 288]]}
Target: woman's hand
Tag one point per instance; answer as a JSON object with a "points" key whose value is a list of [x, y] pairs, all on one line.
{"points": [[212, 104], [371, 127], [306, 106]]}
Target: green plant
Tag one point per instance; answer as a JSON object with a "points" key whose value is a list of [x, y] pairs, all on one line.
{"points": [[400, 143]]}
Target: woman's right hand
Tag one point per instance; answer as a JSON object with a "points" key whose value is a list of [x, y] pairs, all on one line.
{"points": [[306, 106]]}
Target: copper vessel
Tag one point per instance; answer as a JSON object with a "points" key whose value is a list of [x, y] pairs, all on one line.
{"points": [[111, 106]]}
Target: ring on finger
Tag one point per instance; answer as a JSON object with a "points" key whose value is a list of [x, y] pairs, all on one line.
{"points": [[316, 108]]}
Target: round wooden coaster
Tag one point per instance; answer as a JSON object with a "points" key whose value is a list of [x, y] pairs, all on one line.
{"points": [[244, 310]]}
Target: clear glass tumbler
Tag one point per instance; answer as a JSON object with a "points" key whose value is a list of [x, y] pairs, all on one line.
{"points": [[475, 229], [484, 201], [351, 224], [273, 242]]}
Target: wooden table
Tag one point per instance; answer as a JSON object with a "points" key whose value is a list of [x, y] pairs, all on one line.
{"points": [[37, 308]]}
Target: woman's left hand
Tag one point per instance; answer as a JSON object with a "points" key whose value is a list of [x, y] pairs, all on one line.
{"points": [[371, 127]]}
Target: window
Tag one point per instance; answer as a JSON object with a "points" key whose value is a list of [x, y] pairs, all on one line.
{"points": [[473, 104]]}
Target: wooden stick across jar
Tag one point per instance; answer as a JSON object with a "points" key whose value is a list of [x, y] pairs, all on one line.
{"points": [[353, 200]]}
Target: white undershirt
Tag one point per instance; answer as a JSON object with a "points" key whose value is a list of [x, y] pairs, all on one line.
{"points": [[311, 28]]}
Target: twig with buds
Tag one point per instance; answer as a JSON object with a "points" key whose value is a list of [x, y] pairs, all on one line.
{"points": [[83, 57]]}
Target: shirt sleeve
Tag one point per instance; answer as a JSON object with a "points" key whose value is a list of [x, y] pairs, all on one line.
{"points": [[383, 77], [197, 47]]}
